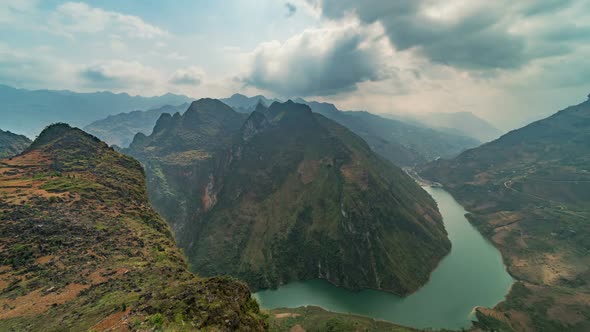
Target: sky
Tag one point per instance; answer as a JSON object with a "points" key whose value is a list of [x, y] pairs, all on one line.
{"points": [[509, 62]]}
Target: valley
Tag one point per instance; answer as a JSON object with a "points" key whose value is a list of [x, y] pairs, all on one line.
{"points": [[213, 166], [528, 193], [472, 275], [294, 166], [284, 194]]}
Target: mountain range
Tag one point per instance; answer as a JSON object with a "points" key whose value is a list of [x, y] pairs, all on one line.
{"points": [[458, 123], [284, 194], [119, 129], [404, 143], [244, 104], [529, 192], [82, 249], [29, 111], [12, 144]]}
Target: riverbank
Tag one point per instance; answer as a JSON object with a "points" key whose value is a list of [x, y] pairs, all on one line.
{"points": [[473, 274], [313, 318], [539, 247]]}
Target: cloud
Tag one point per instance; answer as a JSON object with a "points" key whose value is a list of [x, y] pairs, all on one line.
{"points": [[118, 74], [11, 11], [73, 18], [542, 7], [291, 9], [188, 76], [472, 35], [318, 62], [32, 69]]}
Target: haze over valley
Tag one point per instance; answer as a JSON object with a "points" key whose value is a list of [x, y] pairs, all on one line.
{"points": [[301, 165]]}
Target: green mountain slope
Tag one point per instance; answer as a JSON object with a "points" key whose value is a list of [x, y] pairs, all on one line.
{"points": [[402, 143], [81, 248], [529, 191], [120, 129], [289, 195], [12, 144]]}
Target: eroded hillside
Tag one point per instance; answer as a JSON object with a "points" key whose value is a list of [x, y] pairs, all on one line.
{"points": [[287, 195], [529, 192], [81, 248]]}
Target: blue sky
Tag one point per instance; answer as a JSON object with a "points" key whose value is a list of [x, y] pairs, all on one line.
{"points": [[509, 62]]}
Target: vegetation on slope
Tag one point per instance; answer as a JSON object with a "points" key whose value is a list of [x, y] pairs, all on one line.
{"points": [[81, 248], [12, 144], [402, 143], [529, 192], [319, 320], [292, 195]]}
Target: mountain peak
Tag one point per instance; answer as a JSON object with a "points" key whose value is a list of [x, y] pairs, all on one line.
{"points": [[260, 107], [165, 121], [207, 105], [255, 123], [84, 202], [238, 95], [277, 110], [58, 131]]}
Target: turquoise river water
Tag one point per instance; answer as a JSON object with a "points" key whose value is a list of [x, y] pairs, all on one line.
{"points": [[473, 274]]}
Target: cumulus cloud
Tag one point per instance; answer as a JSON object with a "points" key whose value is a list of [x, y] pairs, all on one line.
{"points": [[318, 62], [75, 17], [32, 69], [473, 35], [188, 76]]}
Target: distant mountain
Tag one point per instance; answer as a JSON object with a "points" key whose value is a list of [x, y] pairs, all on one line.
{"points": [[284, 194], [121, 128], [28, 112], [461, 123], [402, 143], [529, 192], [244, 104], [12, 144], [82, 250]]}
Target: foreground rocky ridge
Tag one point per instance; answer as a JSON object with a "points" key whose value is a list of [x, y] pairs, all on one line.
{"points": [[81, 248], [286, 194]]}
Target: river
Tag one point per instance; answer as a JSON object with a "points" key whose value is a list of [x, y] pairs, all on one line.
{"points": [[473, 274]]}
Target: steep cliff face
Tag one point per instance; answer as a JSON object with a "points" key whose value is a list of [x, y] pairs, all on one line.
{"points": [[292, 195], [183, 157], [81, 248]]}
